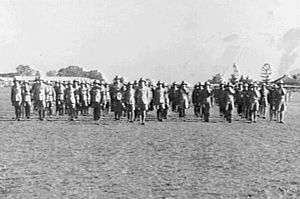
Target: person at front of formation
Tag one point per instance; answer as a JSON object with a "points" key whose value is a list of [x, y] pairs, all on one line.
{"points": [[40, 98], [254, 96], [160, 101], [130, 101], [263, 102], [206, 93], [142, 97], [70, 101], [60, 98], [84, 102], [221, 96], [229, 107], [196, 100], [183, 99], [246, 102], [280, 102], [239, 99], [26, 99], [272, 97], [16, 98], [50, 98], [77, 97], [96, 99]]}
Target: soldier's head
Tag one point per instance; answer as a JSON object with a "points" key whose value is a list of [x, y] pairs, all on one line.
{"points": [[183, 84], [159, 84], [207, 84], [246, 86]]}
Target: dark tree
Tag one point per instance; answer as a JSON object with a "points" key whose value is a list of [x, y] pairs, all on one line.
{"points": [[25, 70], [51, 73], [216, 79]]}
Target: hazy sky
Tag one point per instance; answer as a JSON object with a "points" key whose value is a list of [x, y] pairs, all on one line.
{"points": [[161, 39]]}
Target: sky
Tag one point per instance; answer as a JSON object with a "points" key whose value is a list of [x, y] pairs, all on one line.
{"points": [[168, 40]]}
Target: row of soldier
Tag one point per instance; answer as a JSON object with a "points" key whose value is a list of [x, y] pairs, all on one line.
{"points": [[135, 99]]}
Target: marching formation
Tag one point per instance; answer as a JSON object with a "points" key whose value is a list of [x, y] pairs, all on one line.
{"points": [[135, 99]]}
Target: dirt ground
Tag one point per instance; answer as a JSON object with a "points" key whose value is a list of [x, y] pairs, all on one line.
{"points": [[173, 159]]}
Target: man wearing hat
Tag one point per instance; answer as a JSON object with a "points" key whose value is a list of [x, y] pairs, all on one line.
{"points": [[280, 102], [130, 101], [97, 99], [221, 99], [50, 98], [183, 100], [160, 101], [229, 107], [246, 101], [142, 97], [26, 99], [84, 103], [272, 97], [77, 97], [238, 97], [60, 98], [254, 96], [206, 95], [70, 101], [173, 96], [196, 99], [263, 102], [39, 97], [16, 98]]}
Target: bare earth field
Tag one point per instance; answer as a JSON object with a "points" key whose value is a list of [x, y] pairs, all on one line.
{"points": [[174, 159]]}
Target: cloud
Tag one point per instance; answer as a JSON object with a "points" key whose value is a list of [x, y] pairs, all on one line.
{"points": [[289, 44]]}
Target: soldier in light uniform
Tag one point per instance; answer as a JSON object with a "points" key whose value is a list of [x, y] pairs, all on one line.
{"points": [[159, 97], [142, 100], [107, 98], [60, 98], [280, 102], [84, 102], [26, 99], [263, 102], [229, 93], [40, 98], [97, 99], [16, 98], [77, 97], [206, 94], [183, 99], [70, 101], [50, 98], [221, 98], [254, 96], [129, 98]]}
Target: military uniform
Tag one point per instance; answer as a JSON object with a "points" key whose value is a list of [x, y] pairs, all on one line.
{"points": [[40, 99], [206, 95], [60, 99], [197, 100], [26, 99], [254, 97], [229, 93], [263, 102], [130, 101], [280, 102], [183, 99], [84, 101], [50, 98], [70, 101], [160, 101], [16, 98], [239, 100], [142, 100], [97, 99]]}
